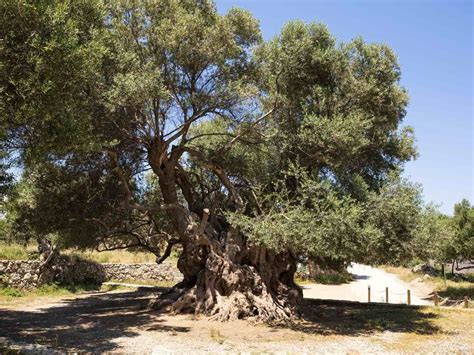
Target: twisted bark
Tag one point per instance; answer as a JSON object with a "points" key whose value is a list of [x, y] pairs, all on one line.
{"points": [[225, 277], [229, 289]]}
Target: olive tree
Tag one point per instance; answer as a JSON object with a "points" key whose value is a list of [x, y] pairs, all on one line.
{"points": [[165, 123]]}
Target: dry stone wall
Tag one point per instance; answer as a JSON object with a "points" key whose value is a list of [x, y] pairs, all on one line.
{"points": [[19, 273], [25, 274]]}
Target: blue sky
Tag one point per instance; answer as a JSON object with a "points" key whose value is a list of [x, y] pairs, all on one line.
{"points": [[434, 43]]}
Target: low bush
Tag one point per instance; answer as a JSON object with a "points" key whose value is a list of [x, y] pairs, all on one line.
{"points": [[458, 291], [333, 278]]}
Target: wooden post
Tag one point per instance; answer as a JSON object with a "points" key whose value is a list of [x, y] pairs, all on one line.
{"points": [[408, 297], [368, 293], [386, 294], [435, 298], [466, 302]]}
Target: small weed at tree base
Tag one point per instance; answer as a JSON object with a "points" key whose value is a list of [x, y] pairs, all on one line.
{"points": [[217, 336]]}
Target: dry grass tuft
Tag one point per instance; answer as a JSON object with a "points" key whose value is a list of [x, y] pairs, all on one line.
{"points": [[217, 336], [113, 256]]}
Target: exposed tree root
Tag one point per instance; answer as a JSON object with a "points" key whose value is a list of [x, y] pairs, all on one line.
{"points": [[225, 290], [227, 279]]}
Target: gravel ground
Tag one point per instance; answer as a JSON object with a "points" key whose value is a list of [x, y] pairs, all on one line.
{"points": [[119, 322]]}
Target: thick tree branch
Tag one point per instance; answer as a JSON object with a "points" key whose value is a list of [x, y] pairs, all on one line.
{"points": [[167, 251], [219, 172], [128, 193], [186, 187]]}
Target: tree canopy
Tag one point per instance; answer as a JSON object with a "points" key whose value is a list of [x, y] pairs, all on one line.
{"points": [[162, 123]]}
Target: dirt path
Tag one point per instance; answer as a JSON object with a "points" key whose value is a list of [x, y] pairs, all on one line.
{"points": [[121, 322], [377, 279]]}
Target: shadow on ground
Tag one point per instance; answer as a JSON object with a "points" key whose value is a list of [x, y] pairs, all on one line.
{"points": [[93, 323], [89, 324], [332, 317]]}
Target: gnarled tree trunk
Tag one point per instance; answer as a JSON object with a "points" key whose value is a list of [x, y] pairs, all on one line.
{"points": [[224, 276], [237, 281], [228, 279]]}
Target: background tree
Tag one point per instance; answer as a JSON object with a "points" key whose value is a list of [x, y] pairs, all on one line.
{"points": [[463, 240], [395, 212], [19, 213], [261, 152], [433, 238], [443, 239]]}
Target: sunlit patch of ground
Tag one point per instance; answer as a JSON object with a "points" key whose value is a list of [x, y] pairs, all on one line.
{"points": [[455, 288], [121, 321]]}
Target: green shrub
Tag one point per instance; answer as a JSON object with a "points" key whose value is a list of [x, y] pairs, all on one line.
{"points": [[333, 278], [458, 291]]}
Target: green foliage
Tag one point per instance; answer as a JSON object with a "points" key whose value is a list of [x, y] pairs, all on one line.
{"points": [[10, 292], [5, 176], [394, 213], [59, 204], [48, 67], [4, 229], [458, 292], [20, 212], [339, 110], [321, 222], [333, 278], [110, 65], [315, 223], [340, 105], [445, 239], [463, 221], [433, 237], [109, 99]]}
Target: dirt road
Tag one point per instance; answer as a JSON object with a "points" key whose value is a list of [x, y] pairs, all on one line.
{"points": [[377, 279], [120, 322]]}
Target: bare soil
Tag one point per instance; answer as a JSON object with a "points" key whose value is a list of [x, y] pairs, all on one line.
{"points": [[121, 322]]}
